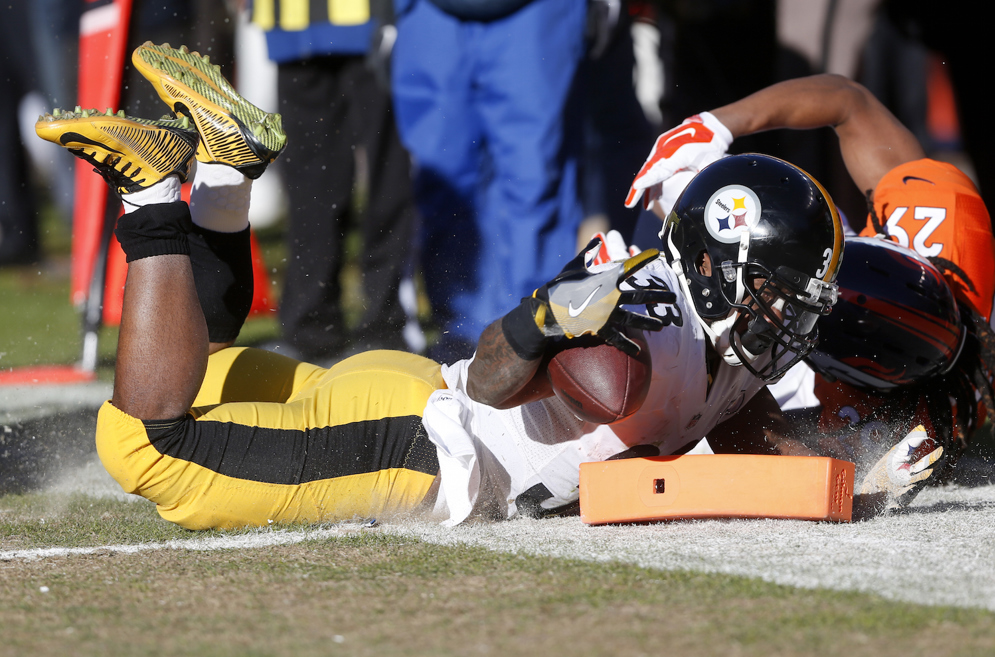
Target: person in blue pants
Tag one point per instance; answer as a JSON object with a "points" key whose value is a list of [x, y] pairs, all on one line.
{"points": [[486, 97]]}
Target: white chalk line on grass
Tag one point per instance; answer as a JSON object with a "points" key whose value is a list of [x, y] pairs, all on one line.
{"points": [[262, 539], [940, 552]]}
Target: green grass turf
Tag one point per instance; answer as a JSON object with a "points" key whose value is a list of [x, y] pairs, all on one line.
{"points": [[372, 593], [39, 323], [376, 594], [37, 520], [40, 326]]}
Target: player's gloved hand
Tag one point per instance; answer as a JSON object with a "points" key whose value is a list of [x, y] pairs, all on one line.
{"points": [[613, 248], [686, 149], [583, 300], [897, 476]]}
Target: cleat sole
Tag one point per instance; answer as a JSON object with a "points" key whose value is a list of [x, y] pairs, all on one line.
{"points": [[130, 153]]}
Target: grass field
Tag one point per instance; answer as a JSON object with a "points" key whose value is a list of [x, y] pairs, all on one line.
{"points": [[369, 592], [86, 571]]}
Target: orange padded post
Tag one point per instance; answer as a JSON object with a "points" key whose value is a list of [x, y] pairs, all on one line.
{"points": [[103, 36], [716, 486]]}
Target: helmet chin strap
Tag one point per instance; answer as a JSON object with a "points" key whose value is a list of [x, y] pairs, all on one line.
{"points": [[719, 331], [721, 335]]}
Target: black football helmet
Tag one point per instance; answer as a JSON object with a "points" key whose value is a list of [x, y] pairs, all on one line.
{"points": [[896, 322], [774, 243]]}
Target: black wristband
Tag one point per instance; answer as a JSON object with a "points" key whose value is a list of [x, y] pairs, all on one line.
{"points": [[157, 229], [521, 331]]}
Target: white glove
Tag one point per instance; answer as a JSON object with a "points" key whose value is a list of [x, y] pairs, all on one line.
{"points": [[896, 476], [690, 147], [613, 248]]}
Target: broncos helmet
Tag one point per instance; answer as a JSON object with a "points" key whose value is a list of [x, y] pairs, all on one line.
{"points": [[774, 243], [896, 322]]}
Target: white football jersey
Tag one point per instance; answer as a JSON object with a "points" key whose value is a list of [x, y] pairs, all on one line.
{"points": [[488, 457]]}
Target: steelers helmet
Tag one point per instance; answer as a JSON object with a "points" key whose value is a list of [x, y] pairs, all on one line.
{"points": [[896, 322], [757, 244]]}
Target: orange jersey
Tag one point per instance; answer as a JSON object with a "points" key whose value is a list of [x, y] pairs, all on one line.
{"points": [[933, 208], [856, 425], [844, 405]]}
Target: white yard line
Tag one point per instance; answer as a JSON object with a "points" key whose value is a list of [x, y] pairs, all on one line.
{"points": [[261, 539], [941, 552]]}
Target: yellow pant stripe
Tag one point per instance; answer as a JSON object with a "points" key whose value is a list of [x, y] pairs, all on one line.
{"points": [[348, 12], [264, 14]]}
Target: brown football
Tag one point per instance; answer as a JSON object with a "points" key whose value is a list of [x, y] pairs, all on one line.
{"points": [[599, 382]]}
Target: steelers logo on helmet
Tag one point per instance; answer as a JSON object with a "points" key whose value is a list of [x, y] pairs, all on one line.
{"points": [[732, 211], [757, 244]]}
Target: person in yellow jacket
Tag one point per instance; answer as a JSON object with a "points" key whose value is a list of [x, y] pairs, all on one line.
{"points": [[334, 105]]}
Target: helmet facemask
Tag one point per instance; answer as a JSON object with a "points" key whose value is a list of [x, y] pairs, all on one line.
{"points": [[778, 313], [768, 312]]}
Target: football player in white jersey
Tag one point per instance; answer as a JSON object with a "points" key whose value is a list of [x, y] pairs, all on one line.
{"points": [[924, 205], [750, 253]]}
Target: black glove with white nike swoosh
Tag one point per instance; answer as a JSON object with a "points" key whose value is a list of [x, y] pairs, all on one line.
{"points": [[583, 300]]}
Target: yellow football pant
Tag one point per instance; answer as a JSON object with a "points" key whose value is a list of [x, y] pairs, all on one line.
{"points": [[274, 440]]}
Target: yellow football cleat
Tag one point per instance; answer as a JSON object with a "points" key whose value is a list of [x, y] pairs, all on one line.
{"points": [[130, 153], [232, 130]]}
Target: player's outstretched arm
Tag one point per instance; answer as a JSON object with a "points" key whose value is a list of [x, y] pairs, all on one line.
{"points": [[895, 480], [872, 140], [499, 377], [581, 300]]}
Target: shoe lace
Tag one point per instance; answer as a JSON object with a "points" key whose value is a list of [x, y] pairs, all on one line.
{"points": [[108, 171]]}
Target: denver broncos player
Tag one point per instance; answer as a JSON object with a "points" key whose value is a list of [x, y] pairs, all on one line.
{"points": [[920, 203], [895, 354]]}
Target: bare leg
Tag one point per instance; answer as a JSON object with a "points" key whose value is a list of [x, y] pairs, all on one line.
{"points": [[165, 338], [163, 346]]}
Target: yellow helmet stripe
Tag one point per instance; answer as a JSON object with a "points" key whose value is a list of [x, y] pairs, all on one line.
{"points": [[837, 257]]}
